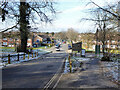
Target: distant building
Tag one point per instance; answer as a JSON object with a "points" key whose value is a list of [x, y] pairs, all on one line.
{"points": [[88, 39], [38, 40], [9, 42], [5, 42]]}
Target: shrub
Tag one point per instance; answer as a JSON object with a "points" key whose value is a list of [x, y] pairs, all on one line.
{"points": [[106, 58]]}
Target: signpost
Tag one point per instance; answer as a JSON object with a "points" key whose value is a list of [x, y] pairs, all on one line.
{"points": [[77, 46], [97, 49], [83, 53]]}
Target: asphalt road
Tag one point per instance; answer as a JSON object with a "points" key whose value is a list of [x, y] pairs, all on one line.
{"points": [[35, 73]]}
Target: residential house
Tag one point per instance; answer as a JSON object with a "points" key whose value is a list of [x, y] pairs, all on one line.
{"points": [[45, 39], [88, 39], [29, 42], [9, 42], [33, 40], [38, 40], [5, 42]]}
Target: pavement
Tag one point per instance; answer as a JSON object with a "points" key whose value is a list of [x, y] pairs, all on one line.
{"points": [[91, 77]]}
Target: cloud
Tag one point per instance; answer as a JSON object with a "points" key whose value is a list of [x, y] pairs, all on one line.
{"points": [[85, 6], [77, 8]]}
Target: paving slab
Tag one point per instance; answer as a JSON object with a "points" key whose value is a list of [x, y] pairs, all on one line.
{"points": [[91, 77]]}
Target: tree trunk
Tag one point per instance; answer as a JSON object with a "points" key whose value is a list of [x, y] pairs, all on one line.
{"points": [[104, 39], [23, 26], [103, 48]]}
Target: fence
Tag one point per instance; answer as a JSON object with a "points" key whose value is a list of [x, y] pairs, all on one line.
{"points": [[18, 57]]}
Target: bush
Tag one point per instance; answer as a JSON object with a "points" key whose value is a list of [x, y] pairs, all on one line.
{"points": [[105, 58], [29, 50]]}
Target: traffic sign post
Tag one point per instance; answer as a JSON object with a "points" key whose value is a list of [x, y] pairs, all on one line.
{"points": [[83, 53], [97, 50], [77, 46]]}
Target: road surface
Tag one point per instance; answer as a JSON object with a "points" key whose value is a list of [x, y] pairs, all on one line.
{"points": [[35, 73]]}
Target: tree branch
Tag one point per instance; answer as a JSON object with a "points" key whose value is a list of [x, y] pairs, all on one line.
{"points": [[15, 26], [117, 16], [95, 19]]}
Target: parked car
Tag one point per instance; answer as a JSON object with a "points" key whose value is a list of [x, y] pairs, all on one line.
{"points": [[57, 49], [69, 46], [57, 45]]}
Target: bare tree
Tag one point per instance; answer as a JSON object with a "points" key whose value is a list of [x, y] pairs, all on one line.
{"points": [[109, 9], [113, 16], [103, 18], [87, 38], [25, 13], [72, 35], [61, 35]]}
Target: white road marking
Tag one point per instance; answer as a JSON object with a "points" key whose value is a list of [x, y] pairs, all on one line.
{"points": [[53, 78], [58, 81]]}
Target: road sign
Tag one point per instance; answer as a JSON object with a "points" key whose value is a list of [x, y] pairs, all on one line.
{"points": [[77, 46]]}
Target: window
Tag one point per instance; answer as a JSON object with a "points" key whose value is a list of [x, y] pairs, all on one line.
{"points": [[112, 46], [113, 41], [4, 38], [37, 40], [29, 39], [4, 43]]}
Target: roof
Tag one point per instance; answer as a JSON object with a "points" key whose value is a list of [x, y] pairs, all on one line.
{"points": [[44, 36]]}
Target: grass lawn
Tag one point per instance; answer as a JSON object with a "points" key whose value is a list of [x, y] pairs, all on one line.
{"points": [[13, 48], [7, 47], [115, 51], [42, 47]]}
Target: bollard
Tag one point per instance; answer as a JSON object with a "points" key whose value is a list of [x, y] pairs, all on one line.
{"points": [[35, 54], [28, 55], [75, 54], [70, 67], [8, 58], [70, 64], [18, 57], [32, 54], [24, 56], [69, 58]]}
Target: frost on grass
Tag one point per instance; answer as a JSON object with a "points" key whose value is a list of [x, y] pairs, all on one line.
{"points": [[112, 69], [14, 57]]}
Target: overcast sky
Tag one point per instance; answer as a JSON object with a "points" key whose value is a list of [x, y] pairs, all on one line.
{"points": [[70, 12]]}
